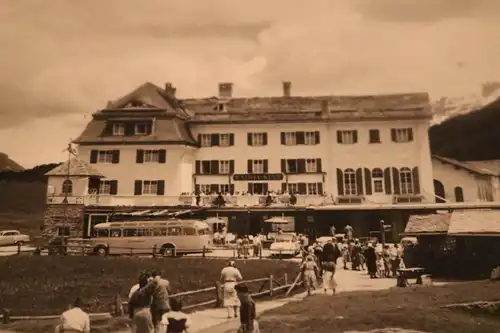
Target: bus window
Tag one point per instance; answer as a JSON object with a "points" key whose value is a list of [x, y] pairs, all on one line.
{"points": [[188, 231], [144, 232], [116, 233], [174, 231], [159, 232], [129, 232], [204, 231], [100, 233]]}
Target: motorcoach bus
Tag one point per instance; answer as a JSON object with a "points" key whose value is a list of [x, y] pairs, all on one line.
{"points": [[169, 238]]}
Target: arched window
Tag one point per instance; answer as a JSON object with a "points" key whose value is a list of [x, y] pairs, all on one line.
{"points": [[378, 180], [459, 194], [406, 180], [350, 182], [67, 187]]}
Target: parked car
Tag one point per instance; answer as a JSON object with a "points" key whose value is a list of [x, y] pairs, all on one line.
{"points": [[13, 237], [285, 244]]}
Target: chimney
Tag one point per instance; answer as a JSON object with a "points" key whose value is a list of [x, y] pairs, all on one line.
{"points": [[287, 88], [225, 90], [169, 88]]}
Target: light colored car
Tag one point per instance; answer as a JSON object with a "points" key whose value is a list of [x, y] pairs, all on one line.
{"points": [[285, 245], [13, 237]]}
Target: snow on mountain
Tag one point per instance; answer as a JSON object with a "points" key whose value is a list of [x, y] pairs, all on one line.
{"points": [[447, 107]]}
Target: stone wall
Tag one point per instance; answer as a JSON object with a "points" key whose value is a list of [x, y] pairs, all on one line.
{"points": [[55, 217]]}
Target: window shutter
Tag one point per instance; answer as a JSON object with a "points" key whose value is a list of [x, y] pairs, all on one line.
{"points": [[317, 137], [249, 139], [318, 165], [197, 167], [214, 167], [231, 188], [340, 182], [199, 139], [93, 156], [250, 188], [300, 138], [283, 187], [395, 181], [301, 165], [250, 166], [283, 138], [320, 188], [113, 187], [160, 189], [355, 136], [416, 180], [387, 181], [138, 187], [302, 188], [359, 181], [266, 166], [129, 129], [139, 157], [215, 139], [339, 136], [162, 156], [116, 157], [368, 181], [197, 189], [264, 139], [393, 134], [231, 166], [231, 139], [410, 134], [283, 165]]}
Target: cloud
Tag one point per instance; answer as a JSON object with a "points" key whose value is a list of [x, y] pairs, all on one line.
{"points": [[61, 58]]}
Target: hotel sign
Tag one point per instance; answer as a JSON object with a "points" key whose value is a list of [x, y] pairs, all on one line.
{"points": [[257, 176]]}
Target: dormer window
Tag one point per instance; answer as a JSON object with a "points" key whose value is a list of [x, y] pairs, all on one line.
{"points": [[143, 129], [220, 106], [119, 129]]}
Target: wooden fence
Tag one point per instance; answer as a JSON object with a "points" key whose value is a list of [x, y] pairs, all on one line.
{"points": [[117, 309]]}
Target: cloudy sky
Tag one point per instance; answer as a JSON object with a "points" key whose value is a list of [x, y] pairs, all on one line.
{"points": [[61, 60]]}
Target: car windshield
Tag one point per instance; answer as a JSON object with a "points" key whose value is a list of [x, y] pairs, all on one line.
{"points": [[284, 238]]}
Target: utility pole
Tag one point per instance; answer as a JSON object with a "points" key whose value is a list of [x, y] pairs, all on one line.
{"points": [[66, 193], [382, 232]]}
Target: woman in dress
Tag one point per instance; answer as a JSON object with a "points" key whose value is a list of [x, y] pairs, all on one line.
{"points": [[230, 276], [329, 282]]}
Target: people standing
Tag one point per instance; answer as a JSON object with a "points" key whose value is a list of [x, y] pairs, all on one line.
{"points": [[332, 230], [248, 312], [257, 245], [175, 321], [139, 307], [160, 298], [395, 259], [371, 261], [329, 282], [74, 320], [310, 273], [348, 231], [356, 256], [230, 275]]}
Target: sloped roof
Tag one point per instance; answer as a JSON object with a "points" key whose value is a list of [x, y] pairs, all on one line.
{"points": [[468, 166], [312, 107], [77, 168], [428, 224], [492, 166], [475, 222]]}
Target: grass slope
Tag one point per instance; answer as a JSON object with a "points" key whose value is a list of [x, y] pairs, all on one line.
{"points": [[31, 285], [415, 308]]}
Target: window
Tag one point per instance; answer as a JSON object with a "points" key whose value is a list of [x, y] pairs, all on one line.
{"points": [[290, 138], [116, 233], [119, 129], [350, 182], [402, 134], [293, 188], [105, 187], [204, 231], [258, 166], [459, 194], [224, 140], [67, 187], [310, 138], [189, 231], [206, 140], [406, 180], [374, 136], [347, 137], [292, 166], [174, 231], [224, 188], [257, 139], [378, 180], [312, 188], [142, 232], [129, 232], [143, 129], [102, 233], [151, 156], [150, 187], [158, 232], [205, 188], [224, 167], [105, 156], [311, 165]]}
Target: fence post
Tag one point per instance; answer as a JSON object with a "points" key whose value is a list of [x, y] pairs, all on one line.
{"points": [[6, 316], [154, 251], [271, 285], [204, 251], [18, 248], [217, 294], [118, 307], [286, 279], [259, 248]]}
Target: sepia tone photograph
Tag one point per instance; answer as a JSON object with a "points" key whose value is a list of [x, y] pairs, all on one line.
{"points": [[231, 166]]}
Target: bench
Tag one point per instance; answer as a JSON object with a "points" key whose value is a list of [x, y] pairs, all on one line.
{"points": [[409, 273]]}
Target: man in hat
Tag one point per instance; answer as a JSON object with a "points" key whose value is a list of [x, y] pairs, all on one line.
{"points": [[230, 275], [74, 320]]}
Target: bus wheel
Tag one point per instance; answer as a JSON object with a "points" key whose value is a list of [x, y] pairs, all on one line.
{"points": [[101, 251], [168, 250]]}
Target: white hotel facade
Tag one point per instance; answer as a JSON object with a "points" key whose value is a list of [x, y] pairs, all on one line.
{"points": [[347, 159]]}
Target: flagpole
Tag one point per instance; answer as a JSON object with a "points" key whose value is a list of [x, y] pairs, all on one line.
{"points": [[66, 192]]}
